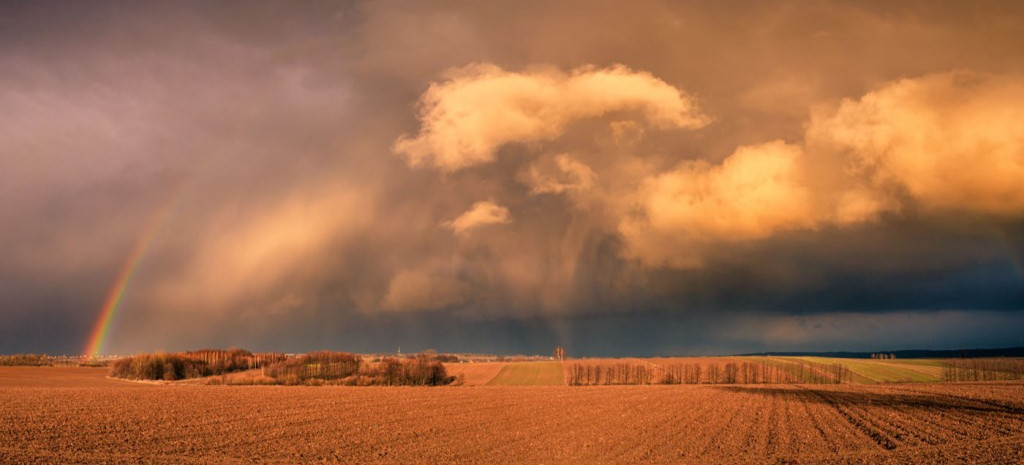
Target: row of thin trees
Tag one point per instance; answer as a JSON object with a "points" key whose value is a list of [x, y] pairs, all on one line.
{"points": [[225, 361], [747, 372], [579, 374], [983, 369]]}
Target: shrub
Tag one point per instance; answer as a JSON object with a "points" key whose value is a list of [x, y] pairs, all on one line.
{"points": [[185, 365]]}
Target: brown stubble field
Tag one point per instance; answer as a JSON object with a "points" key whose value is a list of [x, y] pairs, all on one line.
{"points": [[107, 421]]}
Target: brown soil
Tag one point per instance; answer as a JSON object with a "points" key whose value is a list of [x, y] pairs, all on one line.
{"points": [[58, 377], [170, 424]]}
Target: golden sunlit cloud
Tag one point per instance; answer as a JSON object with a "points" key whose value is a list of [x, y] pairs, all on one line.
{"points": [[480, 214], [752, 194], [481, 107], [950, 140]]}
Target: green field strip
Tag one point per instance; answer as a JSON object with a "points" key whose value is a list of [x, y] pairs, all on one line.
{"points": [[889, 373], [879, 371], [930, 371], [921, 362], [529, 374], [856, 376], [823, 363]]}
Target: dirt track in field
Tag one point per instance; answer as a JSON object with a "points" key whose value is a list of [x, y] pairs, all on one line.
{"points": [[934, 423]]}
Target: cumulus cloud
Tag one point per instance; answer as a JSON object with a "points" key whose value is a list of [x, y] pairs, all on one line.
{"points": [[752, 194], [851, 166], [947, 140], [481, 107], [951, 141], [480, 214]]}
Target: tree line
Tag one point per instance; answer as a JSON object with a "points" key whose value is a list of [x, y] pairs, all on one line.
{"points": [[192, 364], [983, 369], [746, 372], [42, 360], [350, 369], [25, 360], [311, 369]]}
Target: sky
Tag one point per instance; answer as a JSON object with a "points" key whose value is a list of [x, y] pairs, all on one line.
{"points": [[620, 178]]}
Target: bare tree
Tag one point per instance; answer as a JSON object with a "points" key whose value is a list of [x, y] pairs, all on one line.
{"points": [[559, 353]]}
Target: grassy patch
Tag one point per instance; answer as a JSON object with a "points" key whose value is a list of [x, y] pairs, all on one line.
{"points": [[884, 371], [932, 362]]}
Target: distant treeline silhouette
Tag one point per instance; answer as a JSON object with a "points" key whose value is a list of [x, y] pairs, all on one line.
{"points": [[25, 360], [42, 360], [752, 372], [904, 354]]}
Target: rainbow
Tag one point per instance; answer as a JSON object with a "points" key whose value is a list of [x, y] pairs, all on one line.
{"points": [[101, 330]]}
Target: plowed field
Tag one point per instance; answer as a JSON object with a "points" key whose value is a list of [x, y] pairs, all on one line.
{"points": [[171, 424], [58, 377]]}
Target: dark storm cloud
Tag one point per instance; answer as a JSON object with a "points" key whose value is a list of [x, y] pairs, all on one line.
{"points": [[315, 203]]}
